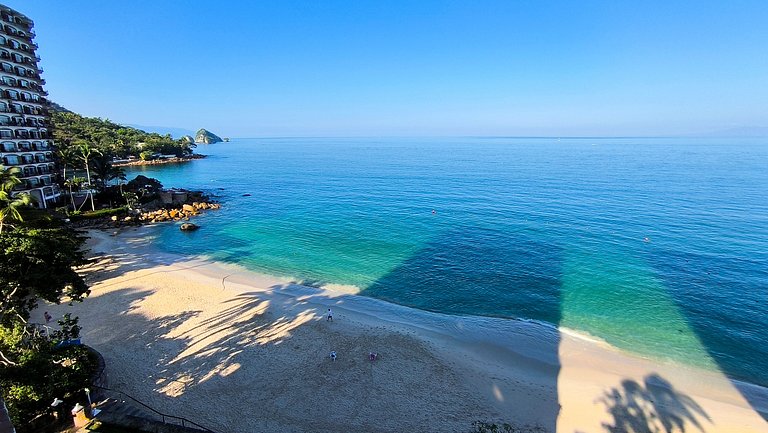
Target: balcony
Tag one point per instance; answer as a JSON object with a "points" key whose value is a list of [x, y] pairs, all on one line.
{"points": [[16, 21]]}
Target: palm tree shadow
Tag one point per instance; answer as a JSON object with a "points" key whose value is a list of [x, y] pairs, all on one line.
{"points": [[651, 407]]}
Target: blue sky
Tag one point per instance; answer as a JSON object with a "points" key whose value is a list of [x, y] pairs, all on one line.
{"points": [[283, 67]]}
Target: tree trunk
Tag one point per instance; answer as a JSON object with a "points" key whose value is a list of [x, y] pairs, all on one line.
{"points": [[90, 187]]}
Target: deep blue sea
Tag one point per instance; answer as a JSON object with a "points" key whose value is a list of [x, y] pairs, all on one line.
{"points": [[657, 246]]}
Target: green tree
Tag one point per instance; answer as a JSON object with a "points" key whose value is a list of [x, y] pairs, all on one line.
{"points": [[104, 171], [38, 264], [73, 184], [10, 203], [39, 257]]}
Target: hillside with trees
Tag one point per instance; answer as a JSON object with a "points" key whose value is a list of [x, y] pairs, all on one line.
{"points": [[72, 130]]}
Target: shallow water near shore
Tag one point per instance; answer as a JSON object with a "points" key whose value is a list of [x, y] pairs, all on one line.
{"points": [[657, 246]]}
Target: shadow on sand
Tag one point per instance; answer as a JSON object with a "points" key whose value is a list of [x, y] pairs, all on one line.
{"points": [[653, 406]]}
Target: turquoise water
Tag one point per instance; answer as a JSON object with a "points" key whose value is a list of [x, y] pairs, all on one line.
{"points": [[658, 246]]}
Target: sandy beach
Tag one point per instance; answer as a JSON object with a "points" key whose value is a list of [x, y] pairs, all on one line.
{"points": [[242, 352]]}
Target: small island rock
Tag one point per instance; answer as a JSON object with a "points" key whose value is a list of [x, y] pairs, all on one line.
{"points": [[189, 227], [206, 137]]}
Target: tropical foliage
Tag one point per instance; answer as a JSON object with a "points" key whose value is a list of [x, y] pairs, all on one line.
{"points": [[108, 138], [11, 204], [39, 257]]}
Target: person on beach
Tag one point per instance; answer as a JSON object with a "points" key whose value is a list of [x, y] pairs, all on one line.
{"points": [[48, 317], [329, 317], [333, 355]]}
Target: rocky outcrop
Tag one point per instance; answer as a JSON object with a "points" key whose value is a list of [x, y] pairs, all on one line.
{"points": [[188, 138], [206, 137], [184, 213], [137, 217], [189, 227]]}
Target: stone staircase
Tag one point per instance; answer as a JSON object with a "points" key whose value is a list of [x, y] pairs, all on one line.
{"points": [[128, 414]]}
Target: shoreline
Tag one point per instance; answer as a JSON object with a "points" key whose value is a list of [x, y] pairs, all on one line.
{"points": [[175, 160], [505, 370]]}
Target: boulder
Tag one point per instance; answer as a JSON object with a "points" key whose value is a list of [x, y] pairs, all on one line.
{"points": [[188, 208], [174, 213], [189, 227]]}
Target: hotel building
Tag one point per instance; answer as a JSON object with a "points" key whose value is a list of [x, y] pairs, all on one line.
{"points": [[25, 137]]}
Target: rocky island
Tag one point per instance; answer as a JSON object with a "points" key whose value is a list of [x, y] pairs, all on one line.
{"points": [[206, 137]]}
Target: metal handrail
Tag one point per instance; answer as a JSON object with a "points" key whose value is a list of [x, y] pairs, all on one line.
{"points": [[163, 416]]}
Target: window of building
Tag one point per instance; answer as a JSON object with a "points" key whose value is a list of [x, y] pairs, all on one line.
{"points": [[13, 95], [6, 67], [6, 133], [27, 158], [25, 145], [9, 146], [12, 160], [5, 120]]}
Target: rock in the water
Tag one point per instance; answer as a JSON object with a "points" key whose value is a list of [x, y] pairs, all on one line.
{"points": [[206, 137], [189, 227], [188, 208]]}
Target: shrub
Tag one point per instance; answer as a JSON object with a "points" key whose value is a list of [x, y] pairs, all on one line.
{"points": [[101, 213]]}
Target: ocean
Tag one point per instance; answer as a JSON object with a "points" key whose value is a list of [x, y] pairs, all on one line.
{"points": [[658, 246]]}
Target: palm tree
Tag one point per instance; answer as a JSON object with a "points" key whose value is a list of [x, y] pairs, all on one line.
{"points": [[84, 153], [73, 183], [104, 171], [9, 203], [66, 156]]}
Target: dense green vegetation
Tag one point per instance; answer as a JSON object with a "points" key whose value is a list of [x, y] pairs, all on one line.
{"points": [[39, 257], [72, 130], [86, 148]]}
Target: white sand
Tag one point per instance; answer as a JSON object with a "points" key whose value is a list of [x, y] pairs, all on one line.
{"points": [[241, 352]]}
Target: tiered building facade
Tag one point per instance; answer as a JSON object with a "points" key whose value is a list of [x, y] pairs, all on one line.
{"points": [[25, 136]]}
